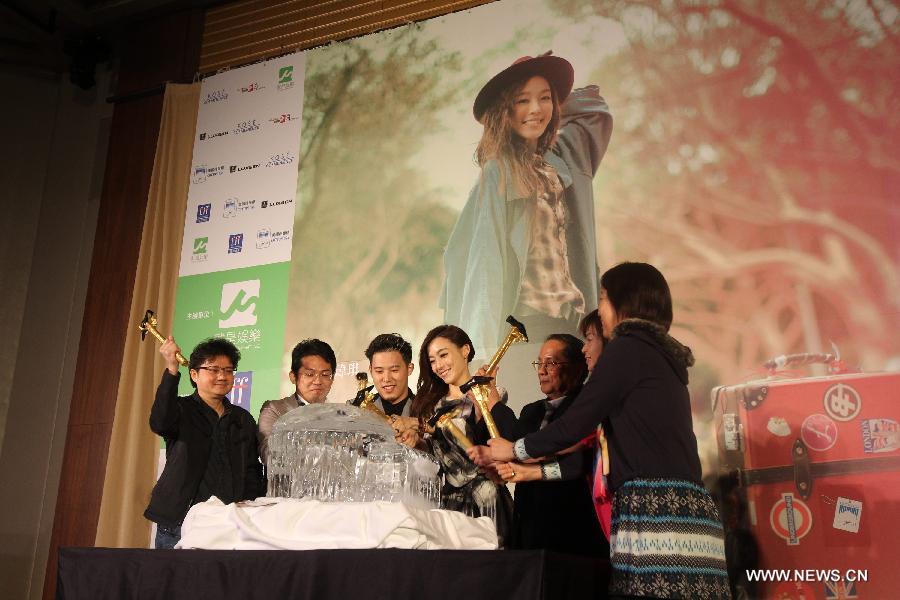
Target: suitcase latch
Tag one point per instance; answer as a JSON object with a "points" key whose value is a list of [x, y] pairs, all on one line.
{"points": [[754, 396], [732, 433], [802, 474]]}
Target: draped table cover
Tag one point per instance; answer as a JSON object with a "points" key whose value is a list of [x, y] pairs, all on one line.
{"points": [[124, 573]]}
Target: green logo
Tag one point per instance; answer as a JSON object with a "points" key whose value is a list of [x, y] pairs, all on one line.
{"points": [[200, 245], [286, 74], [238, 306], [240, 303]]}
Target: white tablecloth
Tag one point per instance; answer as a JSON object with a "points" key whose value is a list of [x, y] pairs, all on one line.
{"points": [[289, 524]]}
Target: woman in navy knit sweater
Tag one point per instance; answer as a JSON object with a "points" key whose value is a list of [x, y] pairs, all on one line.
{"points": [[666, 539]]}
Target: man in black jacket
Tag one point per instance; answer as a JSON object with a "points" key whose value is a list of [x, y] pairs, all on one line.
{"points": [[211, 447], [554, 510]]}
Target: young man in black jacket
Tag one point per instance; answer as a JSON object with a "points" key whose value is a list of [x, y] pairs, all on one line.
{"points": [[211, 447]]}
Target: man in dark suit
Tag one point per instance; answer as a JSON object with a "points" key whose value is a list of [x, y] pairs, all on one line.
{"points": [[554, 510]]}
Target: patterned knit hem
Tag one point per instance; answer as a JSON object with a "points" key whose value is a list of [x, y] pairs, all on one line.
{"points": [[667, 541]]}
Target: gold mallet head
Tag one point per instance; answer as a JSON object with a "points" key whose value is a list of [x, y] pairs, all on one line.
{"points": [[519, 327], [148, 324], [477, 380]]}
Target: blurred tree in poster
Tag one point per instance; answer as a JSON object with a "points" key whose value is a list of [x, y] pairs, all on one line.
{"points": [[755, 161], [364, 255]]}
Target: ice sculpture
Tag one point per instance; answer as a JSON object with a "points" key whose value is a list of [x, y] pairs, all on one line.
{"points": [[340, 453]]}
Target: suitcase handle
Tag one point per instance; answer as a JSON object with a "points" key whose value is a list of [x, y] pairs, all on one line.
{"points": [[835, 364]]}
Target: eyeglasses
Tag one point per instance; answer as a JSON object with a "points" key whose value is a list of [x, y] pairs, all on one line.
{"points": [[216, 371], [308, 374], [550, 365]]}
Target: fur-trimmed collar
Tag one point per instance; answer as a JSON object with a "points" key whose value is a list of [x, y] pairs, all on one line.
{"points": [[679, 353]]}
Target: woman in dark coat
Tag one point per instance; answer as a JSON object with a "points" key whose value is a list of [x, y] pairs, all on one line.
{"points": [[667, 538]]}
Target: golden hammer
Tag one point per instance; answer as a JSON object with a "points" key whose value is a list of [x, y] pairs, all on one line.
{"points": [[478, 384], [148, 325]]}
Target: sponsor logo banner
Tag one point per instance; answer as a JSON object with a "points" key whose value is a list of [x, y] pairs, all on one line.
{"points": [[242, 168], [265, 237], [212, 96], [203, 172], [275, 204], [206, 135], [253, 86], [233, 207], [238, 305], [245, 306], [240, 393], [200, 249], [280, 159], [235, 243], [245, 166], [285, 77], [203, 212], [245, 127], [238, 225], [283, 118]]}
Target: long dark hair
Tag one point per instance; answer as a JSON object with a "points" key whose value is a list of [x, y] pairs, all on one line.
{"points": [[500, 142], [432, 388]]}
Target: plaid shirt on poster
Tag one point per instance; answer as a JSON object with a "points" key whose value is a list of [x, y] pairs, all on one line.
{"points": [[547, 286]]}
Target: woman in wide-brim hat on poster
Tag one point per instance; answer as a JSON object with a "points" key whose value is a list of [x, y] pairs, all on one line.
{"points": [[525, 241]]}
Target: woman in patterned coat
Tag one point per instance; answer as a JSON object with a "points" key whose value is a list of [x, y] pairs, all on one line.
{"points": [[443, 367]]}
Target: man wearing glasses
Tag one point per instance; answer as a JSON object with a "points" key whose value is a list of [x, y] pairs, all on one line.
{"points": [[312, 372], [210, 443], [553, 508]]}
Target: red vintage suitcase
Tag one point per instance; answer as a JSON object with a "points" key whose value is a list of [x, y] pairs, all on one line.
{"points": [[817, 460]]}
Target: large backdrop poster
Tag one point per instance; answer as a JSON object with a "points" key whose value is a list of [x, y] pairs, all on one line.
{"points": [[751, 161]]}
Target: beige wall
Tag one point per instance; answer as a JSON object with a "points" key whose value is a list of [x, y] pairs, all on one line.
{"points": [[52, 170]]}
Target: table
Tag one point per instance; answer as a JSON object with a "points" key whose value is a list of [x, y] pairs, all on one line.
{"points": [[126, 573]]}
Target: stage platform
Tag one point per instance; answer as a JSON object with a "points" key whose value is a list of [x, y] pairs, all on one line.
{"points": [[120, 574]]}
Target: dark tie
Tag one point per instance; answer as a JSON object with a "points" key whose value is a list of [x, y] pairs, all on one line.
{"points": [[548, 413]]}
